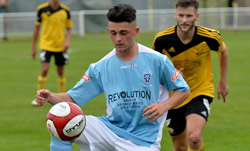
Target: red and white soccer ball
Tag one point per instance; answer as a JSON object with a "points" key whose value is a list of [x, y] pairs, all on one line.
{"points": [[66, 121]]}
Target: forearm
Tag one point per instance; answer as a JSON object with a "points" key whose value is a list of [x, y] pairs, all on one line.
{"points": [[176, 99], [223, 63], [68, 35], [55, 98], [35, 36]]}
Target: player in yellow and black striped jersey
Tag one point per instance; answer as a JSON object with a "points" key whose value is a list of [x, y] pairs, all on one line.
{"points": [[54, 18], [188, 46]]}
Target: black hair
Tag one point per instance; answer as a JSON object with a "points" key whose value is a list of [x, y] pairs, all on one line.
{"points": [[122, 13], [187, 3]]}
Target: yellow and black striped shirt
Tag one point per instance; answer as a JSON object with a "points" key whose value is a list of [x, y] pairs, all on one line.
{"points": [[193, 57], [54, 23]]}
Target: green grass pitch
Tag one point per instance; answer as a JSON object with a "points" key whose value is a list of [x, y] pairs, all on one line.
{"points": [[23, 128]]}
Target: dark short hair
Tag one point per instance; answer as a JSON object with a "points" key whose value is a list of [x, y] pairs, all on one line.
{"points": [[122, 13], [187, 3]]}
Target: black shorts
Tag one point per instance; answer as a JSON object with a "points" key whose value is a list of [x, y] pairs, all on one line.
{"points": [[176, 118], [61, 58]]}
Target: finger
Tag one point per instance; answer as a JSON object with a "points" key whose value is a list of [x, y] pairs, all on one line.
{"points": [[146, 109], [151, 115], [218, 95], [224, 98], [148, 112], [156, 117]]}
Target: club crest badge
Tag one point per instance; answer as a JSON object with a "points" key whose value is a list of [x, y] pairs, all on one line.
{"points": [[147, 78]]}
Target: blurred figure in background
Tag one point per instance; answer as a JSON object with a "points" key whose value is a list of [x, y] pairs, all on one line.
{"points": [[4, 8], [188, 46], [54, 17]]}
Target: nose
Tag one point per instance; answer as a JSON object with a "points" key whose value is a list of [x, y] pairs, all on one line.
{"points": [[184, 19], [118, 37]]}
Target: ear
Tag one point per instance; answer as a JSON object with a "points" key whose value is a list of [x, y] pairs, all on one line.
{"points": [[197, 17], [137, 30]]}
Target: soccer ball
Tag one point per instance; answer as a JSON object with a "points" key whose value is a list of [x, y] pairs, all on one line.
{"points": [[66, 121]]}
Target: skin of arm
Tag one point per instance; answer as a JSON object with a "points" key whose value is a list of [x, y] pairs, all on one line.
{"points": [[35, 37], [67, 39], [156, 110], [222, 88], [45, 95]]}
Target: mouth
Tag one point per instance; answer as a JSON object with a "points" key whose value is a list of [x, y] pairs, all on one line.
{"points": [[119, 45], [185, 25]]}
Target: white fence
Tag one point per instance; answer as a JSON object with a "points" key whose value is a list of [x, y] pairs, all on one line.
{"points": [[85, 21]]}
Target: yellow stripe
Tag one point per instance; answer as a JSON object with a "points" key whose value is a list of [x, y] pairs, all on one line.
{"points": [[166, 31], [42, 6], [210, 33]]}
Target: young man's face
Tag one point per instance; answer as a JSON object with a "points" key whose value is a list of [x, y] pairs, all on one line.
{"points": [[186, 17], [123, 34]]}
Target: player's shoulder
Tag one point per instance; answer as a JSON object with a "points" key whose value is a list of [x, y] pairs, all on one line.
{"points": [[105, 59], [208, 32], [43, 5], [149, 54], [145, 49], [64, 6], [166, 31]]}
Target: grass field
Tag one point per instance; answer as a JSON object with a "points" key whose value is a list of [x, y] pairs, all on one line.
{"points": [[23, 128]]}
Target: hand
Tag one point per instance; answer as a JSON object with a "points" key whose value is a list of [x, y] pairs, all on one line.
{"points": [[222, 90], [154, 110], [65, 46], [33, 53], [181, 71], [42, 97]]}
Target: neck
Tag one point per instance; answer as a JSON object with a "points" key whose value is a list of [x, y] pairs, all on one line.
{"points": [[185, 37], [129, 54]]}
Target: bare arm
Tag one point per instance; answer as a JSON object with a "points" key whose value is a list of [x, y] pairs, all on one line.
{"points": [[158, 109], [35, 37], [44, 96], [222, 88], [67, 39]]}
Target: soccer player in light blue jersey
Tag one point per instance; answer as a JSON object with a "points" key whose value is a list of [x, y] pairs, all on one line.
{"points": [[135, 80]]}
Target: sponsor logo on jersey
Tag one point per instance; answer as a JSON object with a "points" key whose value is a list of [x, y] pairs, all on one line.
{"points": [[129, 95], [171, 49], [176, 75], [86, 78], [129, 66], [204, 113]]}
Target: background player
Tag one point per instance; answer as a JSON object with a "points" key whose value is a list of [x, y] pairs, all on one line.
{"points": [[54, 17], [135, 80], [188, 47], [4, 8]]}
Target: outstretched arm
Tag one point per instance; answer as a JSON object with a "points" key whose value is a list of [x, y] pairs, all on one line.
{"points": [[222, 88], [44, 96]]}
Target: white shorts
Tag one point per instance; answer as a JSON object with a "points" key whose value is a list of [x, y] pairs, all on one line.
{"points": [[98, 137]]}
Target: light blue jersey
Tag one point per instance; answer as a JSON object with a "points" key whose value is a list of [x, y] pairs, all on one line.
{"points": [[130, 87]]}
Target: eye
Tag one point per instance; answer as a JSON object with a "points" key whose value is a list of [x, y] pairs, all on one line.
{"points": [[112, 33], [181, 15], [124, 33]]}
